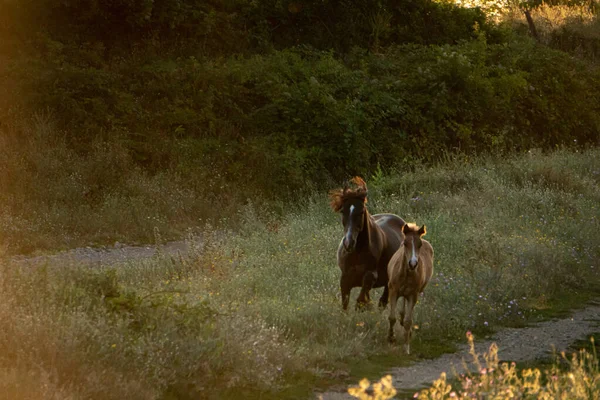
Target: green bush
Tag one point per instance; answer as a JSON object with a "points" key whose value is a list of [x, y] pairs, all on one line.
{"points": [[579, 38], [225, 27], [270, 125]]}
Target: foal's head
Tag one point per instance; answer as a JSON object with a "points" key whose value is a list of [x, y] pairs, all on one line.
{"points": [[412, 244], [351, 203]]}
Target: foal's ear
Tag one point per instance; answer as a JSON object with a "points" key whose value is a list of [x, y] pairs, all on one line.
{"points": [[406, 229], [422, 231]]}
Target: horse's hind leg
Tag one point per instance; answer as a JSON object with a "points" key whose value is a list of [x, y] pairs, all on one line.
{"points": [[407, 322], [368, 281], [392, 317], [383, 300], [346, 287]]}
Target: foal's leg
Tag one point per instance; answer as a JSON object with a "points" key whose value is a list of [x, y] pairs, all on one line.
{"points": [[402, 311], [392, 316], [410, 305], [368, 281], [346, 287]]}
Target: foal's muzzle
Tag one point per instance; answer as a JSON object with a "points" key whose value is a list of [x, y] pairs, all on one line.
{"points": [[413, 265]]}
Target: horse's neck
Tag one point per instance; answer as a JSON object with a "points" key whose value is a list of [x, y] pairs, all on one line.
{"points": [[370, 232]]}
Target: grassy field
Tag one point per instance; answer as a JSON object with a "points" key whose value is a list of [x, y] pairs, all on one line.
{"points": [[259, 313]]}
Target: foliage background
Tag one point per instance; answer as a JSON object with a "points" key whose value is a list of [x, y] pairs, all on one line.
{"points": [[174, 105]]}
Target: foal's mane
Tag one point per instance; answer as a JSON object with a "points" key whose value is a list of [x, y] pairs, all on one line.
{"points": [[337, 197], [412, 228]]}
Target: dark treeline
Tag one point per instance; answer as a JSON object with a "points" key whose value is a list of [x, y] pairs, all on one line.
{"points": [[281, 94]]}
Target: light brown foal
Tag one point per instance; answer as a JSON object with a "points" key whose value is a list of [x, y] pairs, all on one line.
{"points": [[409, 271]]}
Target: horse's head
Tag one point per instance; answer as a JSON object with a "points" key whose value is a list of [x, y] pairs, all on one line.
{"points": [[351, 203], [412, 244]]}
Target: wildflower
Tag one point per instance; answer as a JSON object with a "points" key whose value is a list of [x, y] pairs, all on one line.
{"points": [[360, 323]]}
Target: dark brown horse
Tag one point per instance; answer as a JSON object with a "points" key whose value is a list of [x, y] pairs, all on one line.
{"points": [[368, 244]]}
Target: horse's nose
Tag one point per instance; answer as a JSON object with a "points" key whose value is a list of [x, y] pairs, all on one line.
{"points": [[412, 264], [349, 244]]}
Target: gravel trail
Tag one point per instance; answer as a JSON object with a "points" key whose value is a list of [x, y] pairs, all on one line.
{"points": [[515, 344]]}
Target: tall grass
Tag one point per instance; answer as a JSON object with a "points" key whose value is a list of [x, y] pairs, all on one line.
{"points": [[259, 312], [56, 195]]}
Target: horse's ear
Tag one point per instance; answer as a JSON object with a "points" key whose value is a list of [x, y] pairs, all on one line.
{"points": [[406, 229], [358, 181], [361, 190], [422, 231]]}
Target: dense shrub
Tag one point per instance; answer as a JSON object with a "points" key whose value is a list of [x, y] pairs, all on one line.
{"points": [[579, 38], [224, 27], [303, 115], [241, 99]]}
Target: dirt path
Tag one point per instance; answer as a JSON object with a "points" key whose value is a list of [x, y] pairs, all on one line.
{"points": [[515, 344], [89, 256]]}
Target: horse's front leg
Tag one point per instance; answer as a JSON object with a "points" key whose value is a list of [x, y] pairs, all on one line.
{"points": [[369, 280], [402, 311], [407, 323], [345, 287]]}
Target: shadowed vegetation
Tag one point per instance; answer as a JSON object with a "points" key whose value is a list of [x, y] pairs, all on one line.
{"points": [[115, 120]]}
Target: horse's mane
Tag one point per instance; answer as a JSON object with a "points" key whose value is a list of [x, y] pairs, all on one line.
{"points": [[337, 197]]}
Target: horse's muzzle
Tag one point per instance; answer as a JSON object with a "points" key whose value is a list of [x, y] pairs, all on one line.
{"points": [[349, 247], [349, 242]]}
